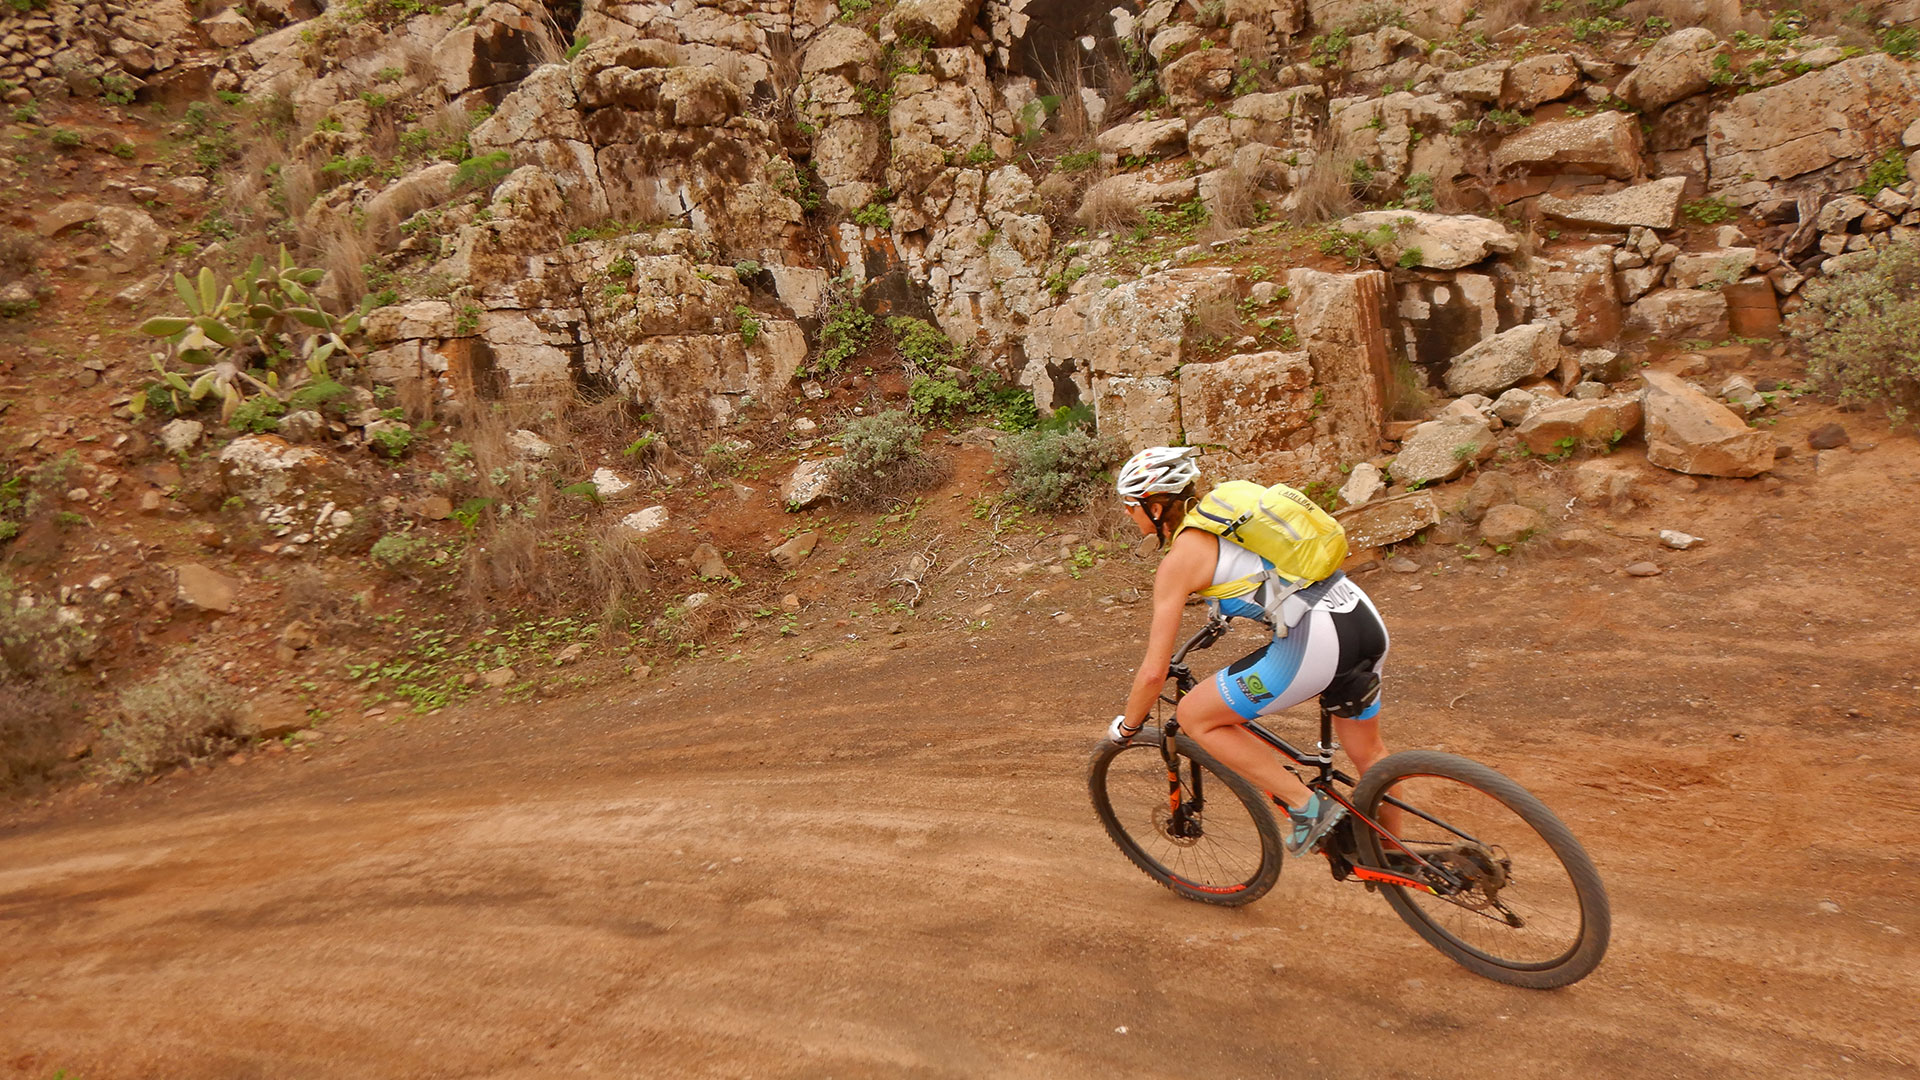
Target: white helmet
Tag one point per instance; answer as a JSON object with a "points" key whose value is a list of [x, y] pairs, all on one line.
{"points": [[1157, 469]]}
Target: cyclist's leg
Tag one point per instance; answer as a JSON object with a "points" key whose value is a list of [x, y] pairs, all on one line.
{"points": [[1363, 638], [1268, 680], [1215, 726]]}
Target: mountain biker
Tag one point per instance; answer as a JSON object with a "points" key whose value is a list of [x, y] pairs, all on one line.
{"points": [[1328, 640]]}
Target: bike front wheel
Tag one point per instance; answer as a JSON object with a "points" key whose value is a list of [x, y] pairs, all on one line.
{"points": [[1515, 898], [1206, 833]]}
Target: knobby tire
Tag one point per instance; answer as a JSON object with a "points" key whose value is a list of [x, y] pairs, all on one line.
{"points": [[1240, 853], [1587, 931]]}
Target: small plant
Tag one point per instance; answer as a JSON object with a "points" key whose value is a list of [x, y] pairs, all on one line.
{"points": [[874, 215], [921, 342], [1411, 258], [749, 324], [1077, 161], [183, 714], [1710, 211], [64, 138], [1586, 29], [391, 441], [580, 43], [882, 460], [1055, 470], [1900, 41], [262, 321], [1887, 170], [397, 551], [482, 173], [1861, 329], [1507, 118], [847, 329]]}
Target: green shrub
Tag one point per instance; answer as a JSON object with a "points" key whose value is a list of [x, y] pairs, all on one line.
{"points": [[321, 395], [36, 726], [921, 342], [391, 441], [1861, 328], [258, 414], [876, 215], [882, 460], [397, 551], [1057, 471], [483, 172], [1710, 211], [749, 324], [848, 329], [183, 714], [64, 138], [1901, 41], [1888, 170], [947, 400], [1077, 161]]}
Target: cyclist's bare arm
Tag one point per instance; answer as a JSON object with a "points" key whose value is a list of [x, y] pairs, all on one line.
{"points": [[1187, 569]]}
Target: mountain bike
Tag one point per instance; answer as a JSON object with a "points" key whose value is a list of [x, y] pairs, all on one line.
{"points": [[1481, 869]]}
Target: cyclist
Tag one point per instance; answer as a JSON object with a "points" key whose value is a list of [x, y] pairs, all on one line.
{"points": [[1328, 640]]}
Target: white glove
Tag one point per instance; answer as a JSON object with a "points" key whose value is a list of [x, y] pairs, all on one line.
{"points": [[1118, 733]]}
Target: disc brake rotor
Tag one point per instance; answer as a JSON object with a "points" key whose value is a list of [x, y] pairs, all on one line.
{"points": [[1163, 821]]}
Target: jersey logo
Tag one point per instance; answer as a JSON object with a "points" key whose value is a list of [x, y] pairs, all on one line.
{"points": [[1253, 688]]}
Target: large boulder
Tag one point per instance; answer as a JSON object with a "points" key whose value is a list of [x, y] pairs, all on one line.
{"points": [[1527, 351], [1596, 423], [1539, 79], [1847, 112], [296, 492], [1440, 450], [1388, 521], [943, 22], [1678, 65], [1578, 290], [1678, 314], [1711, 269], [811, 483], [1253, 402], [1605, 144], [1653, 205], [1438, 241], [1689, 432]]}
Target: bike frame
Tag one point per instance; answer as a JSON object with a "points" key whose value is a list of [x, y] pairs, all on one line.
{"points": [[1325, 779]]}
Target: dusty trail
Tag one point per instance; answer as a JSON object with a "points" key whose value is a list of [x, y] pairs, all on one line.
{"points": [[881, 863]]}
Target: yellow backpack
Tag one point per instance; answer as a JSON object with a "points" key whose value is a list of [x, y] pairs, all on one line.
{"points": [[1277, 523]]}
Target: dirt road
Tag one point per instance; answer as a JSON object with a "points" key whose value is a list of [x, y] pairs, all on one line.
{"points": [[880, 862]]}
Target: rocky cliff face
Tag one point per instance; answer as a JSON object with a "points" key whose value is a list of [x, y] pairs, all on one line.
{"points": [[673, 198]]}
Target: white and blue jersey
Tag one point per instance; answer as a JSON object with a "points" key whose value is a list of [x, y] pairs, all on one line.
{"points": [[1332, 635]]}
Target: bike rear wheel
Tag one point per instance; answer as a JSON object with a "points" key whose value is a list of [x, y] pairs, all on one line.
{"points": [[1216, 843], [1525, 907]]}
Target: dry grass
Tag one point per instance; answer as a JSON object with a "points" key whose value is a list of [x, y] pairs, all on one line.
{"points": [[1326, 192], [308, 595], [1071, 127], [1407, 395], [1105, 208], [342, 249], [19, 254], [1215, 317], [1232, 202]]}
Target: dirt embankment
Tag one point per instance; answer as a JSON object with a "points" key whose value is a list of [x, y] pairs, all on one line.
{"points": [[880, 861]]}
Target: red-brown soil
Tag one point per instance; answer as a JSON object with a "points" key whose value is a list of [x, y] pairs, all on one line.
{"points": [[880, 861]]}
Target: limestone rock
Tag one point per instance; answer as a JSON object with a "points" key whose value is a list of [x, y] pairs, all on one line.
{"points": [[709, 563], [795, 551], [1510, 523], [1482, 82], [607, 483], [1198, 76], [499, 677], [1577, 288], [227, 29], [1490, 489], [134, 238], [1539, 79], [1363, 484], [1848, 111], [1653, 205], [1512, 406], [1678, 314], [1677, 540], [1439, 241], [1603, 484], [1252, 402], [810, 484], [1388, 521], [1678, 65], [944, 22], [1689, 432], [1146, 138], [179, 436], [529, 445], [642, 522], [1714, 269], [1441, 450], [1527, 351], [197, 586], [1593, 423], [1606, 144]]}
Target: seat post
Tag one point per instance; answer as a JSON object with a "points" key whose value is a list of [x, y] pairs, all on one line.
{"points": [[1326, 748]]}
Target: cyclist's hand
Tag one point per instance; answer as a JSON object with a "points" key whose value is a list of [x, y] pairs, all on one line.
{"points": [[1118, 732]]}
